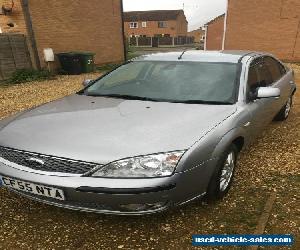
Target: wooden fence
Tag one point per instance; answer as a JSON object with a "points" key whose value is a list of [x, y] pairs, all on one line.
{"points": [[14, 54], [160, 41]]}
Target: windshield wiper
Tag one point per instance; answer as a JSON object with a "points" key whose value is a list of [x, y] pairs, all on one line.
{"points": [[141, 98], [126, 97], [204, 102]]}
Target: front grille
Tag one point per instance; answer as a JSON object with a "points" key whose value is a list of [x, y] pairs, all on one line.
{"points": [[45, 162]]}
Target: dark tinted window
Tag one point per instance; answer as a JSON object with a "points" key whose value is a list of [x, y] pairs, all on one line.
{"points": [[282, 69], [258, 76], [264, 75], [253, 80], [276, 69]]}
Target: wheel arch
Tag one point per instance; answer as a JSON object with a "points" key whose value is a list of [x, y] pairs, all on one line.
{"points": [[235, 136], [239, 142]]}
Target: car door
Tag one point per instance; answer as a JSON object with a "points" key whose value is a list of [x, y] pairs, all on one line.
{"points": [[261, 110]]}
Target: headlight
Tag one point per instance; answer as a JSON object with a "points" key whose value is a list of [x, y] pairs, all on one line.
{"points": [[156, 165]]}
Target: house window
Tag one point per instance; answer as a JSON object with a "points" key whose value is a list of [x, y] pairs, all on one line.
{"points": [[144, 24], [134, 25], [162, 24]]}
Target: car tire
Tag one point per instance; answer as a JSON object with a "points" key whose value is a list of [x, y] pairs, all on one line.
{"points": [[222, 177], [285, 111]]}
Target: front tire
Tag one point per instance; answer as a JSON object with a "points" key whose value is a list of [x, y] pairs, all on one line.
{"points": [[222, 178], [285, 111]]}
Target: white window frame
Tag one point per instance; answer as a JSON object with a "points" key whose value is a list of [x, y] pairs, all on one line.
{"points": [[144, 24], [133, 25]]}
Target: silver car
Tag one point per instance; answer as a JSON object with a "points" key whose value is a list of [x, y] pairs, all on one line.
{"points": [[157, 132]]}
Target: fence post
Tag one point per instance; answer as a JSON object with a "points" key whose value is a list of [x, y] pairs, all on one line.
{"points": [[137, 41], [151, 41], [173, 41]]}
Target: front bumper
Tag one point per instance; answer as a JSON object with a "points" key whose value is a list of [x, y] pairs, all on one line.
{"points": [[118, 196]]}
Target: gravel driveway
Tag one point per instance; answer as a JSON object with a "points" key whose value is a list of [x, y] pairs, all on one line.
{"points": [[271, 165]]}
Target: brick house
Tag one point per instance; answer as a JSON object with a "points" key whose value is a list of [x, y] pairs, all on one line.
{"points": [[254, 25], [214, 33], [68, 25], [168, 23], [264, 25], [198, 34], [13, 21]]}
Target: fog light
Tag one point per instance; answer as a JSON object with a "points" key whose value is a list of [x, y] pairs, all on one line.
{"points": [[143, 207]]}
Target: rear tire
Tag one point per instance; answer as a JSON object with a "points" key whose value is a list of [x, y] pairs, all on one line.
{"points": [[222, 178], [285, 111]]}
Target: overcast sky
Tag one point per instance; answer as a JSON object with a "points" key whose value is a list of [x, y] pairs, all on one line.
{"points": [[197, 12]]}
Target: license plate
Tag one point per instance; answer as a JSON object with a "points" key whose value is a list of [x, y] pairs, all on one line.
{"points": [[33, 188]]}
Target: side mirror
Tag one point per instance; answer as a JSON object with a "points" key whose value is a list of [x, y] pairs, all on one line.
{"points": [[267, 92], [87, 82]]}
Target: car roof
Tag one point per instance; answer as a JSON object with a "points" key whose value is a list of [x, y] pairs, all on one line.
{"points": [[227, 56]]}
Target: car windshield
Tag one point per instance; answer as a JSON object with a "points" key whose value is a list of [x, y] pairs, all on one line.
{"points": [[185, 82]]}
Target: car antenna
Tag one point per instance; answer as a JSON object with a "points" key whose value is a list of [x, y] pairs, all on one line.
{"points": [[180, 57]]}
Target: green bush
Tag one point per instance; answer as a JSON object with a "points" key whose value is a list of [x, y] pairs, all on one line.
{"points": [[127, 46], [28, 75], [131, 55]]}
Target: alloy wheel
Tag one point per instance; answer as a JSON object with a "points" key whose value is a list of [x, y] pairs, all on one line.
{"points": [[288, 107], [227, 171]]}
